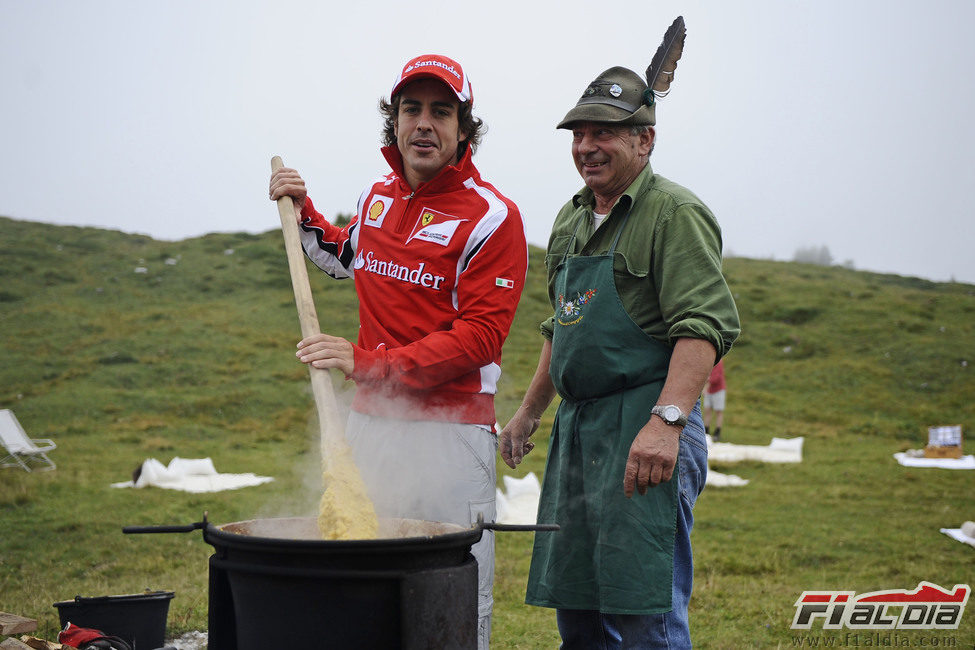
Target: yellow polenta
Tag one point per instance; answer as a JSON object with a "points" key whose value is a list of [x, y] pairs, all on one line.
{"points": [[345, 512]]}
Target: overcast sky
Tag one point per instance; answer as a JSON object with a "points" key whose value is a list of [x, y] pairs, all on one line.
{"points": [[841, 123]]}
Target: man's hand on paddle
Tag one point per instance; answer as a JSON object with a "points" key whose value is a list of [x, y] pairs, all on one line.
{"points": [[287, 182], [324, 351]]}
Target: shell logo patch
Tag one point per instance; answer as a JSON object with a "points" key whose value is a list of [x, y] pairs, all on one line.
{"points": [[570, 311], [377, 210]]}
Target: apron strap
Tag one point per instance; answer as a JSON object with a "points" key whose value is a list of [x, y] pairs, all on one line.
{"points": [[612, 249], [619, 232], [571, 244]]}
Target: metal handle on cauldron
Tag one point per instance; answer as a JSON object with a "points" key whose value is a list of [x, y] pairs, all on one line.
{"points": [[490, 525], [532, 527], [188, 528]]}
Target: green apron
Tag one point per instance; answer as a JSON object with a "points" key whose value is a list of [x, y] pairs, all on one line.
{"points": [[612, 554]]}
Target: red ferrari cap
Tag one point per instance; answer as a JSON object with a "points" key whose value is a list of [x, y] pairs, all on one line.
{"points": [[435, 66]]}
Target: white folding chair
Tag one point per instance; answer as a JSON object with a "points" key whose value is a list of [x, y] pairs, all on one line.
{"points": [[21, 450]]}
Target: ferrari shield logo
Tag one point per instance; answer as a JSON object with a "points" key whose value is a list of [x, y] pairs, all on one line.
{"points": [[435, 227]]}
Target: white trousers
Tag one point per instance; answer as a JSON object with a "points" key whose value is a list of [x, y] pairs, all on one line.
{"points": [[435, 471]]}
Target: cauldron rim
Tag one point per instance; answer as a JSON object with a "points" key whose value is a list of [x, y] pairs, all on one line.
{"points": [[216, 536]]}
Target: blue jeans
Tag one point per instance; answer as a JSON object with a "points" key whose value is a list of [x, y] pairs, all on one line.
{"points": [[592, 630]]}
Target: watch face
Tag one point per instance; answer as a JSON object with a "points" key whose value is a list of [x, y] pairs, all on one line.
{"points": [[672, 413]]}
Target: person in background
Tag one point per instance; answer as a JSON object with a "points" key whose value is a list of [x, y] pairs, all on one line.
{"points": [[439, 259], [714, 400], [642, 313]]}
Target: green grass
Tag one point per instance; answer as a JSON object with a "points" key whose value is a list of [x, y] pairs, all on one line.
{"points": [[194, 358]]}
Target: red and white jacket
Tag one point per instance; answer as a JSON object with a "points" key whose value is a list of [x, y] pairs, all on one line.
{"points": [[438, 272]]}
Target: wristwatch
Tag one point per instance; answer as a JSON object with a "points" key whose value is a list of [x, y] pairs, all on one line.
{"points": [[670, 413]]}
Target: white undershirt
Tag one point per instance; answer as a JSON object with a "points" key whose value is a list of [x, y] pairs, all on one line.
{"points": [[597, 219]]}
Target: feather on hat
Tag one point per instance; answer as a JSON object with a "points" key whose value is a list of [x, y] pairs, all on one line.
{"points": [[621, 97]]}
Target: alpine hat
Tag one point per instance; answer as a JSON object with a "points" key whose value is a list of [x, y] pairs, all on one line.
{"points": [[618, 96]]}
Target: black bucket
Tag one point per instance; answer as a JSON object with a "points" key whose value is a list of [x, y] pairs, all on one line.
{"points": [[139, 619]]}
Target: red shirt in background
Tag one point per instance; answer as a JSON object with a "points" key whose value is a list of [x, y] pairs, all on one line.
{"points": [[716, 380]]}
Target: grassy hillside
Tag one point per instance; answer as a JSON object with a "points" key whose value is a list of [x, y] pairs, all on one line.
{"points": [[122, 348]]}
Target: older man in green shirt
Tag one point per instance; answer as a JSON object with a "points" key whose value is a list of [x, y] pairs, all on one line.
{"points": [[642, 314]]}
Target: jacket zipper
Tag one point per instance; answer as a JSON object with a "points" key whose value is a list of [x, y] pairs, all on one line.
{"points": [[401, 225]]}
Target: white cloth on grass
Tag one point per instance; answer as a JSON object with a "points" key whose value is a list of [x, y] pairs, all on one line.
{"points": [[780, 450], [518, 504], [909, 460], [965, 534], [190, 475], [717, 479]]}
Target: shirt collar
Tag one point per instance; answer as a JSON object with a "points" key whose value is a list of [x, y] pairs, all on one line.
{"points": [[445, 180], [585, 197]]}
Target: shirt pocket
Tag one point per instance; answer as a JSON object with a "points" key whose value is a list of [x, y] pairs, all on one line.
{"points": [[629, 264]]}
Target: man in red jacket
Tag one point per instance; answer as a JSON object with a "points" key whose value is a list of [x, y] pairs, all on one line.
{"points": [[439, 260]]}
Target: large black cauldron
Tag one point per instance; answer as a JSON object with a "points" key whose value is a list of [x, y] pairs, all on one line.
{"points": [[273, 584], [418, 591]]}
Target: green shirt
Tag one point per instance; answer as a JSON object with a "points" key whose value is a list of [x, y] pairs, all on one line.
{"points": [[667, 265]]}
